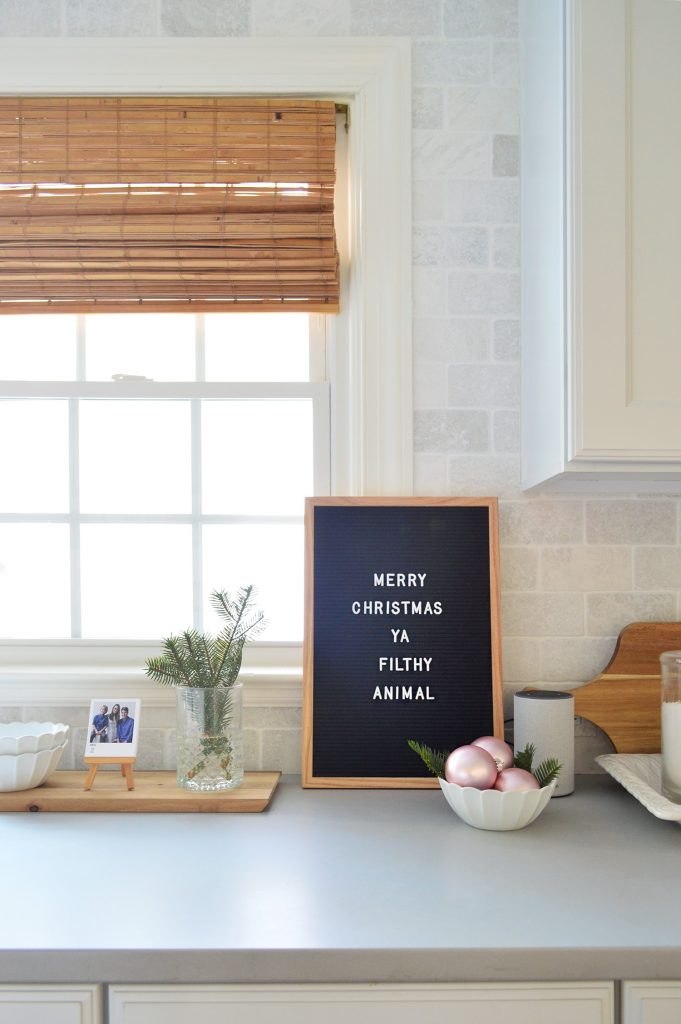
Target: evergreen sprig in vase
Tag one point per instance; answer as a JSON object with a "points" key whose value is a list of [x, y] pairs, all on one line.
{"points": [[205, 669]]}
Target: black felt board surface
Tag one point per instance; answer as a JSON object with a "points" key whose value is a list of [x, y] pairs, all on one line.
{"points": [[364, 708]]}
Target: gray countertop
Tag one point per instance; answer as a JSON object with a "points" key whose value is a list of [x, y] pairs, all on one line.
{"points": [[342, 886]]}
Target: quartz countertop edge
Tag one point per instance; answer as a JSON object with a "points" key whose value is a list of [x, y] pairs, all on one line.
{"points": [[336, 966]]}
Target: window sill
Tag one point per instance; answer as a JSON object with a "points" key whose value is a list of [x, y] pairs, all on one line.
{"points": [[77, 686]]}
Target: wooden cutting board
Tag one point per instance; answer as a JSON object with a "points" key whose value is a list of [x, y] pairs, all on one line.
{"points": [[624, 700], [154, 792]]}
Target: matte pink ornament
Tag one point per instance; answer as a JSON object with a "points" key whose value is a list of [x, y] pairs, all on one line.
{"points": [[471, 766], [515, 780], [500, 751]]}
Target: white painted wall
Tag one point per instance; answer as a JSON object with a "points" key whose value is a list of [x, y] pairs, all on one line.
{"points": [[575, 570]]}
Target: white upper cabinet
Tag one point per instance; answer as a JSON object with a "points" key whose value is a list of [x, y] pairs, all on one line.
{"points": [[601, 215]]}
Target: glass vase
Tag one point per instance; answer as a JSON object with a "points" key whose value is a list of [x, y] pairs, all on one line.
{"points": [[209, 737]]}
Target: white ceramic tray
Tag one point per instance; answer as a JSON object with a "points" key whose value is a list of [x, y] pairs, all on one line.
{"points": [[641, 775]]}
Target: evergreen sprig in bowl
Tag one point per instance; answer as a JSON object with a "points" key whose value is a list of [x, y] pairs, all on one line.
{"points": [[496, 810]]}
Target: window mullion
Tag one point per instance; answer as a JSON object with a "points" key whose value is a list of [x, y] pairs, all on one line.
{"points": [[197, 526], [200, 361], [81, 356], [317, 344], [74, 514], [197, 497]]}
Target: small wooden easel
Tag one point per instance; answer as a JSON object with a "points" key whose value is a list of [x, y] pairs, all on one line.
{"points": [[126, 764]]}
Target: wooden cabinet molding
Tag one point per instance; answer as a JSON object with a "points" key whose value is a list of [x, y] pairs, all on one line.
{"points": [[571, 1003], [651, 1002], [51, 1004]]}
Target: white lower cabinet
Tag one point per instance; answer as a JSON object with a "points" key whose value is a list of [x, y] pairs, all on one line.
{"points": [[50, 1004], [573, 1003], [651, 1002]]}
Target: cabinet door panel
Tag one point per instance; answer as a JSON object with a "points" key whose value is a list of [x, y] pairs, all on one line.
{"points": [[651, 1002], [50, 1004], [627, 159], [589, 1003]]}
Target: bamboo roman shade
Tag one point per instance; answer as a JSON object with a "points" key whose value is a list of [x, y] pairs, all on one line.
{"points": [[167, 203]]}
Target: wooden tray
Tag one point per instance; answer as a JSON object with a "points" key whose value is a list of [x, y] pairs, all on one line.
{"points": [[154, 792], [624, 700]]}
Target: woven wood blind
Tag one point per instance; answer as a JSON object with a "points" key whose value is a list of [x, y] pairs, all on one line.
{"points": [[158, 203]]}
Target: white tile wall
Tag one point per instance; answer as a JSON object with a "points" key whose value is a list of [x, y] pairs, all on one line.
{"points": [[113, 18], [205, 17], [30, 18], [574, 570], [301, 18]]}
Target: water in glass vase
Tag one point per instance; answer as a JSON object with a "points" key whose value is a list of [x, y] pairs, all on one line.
{"points": [[209, 737]]}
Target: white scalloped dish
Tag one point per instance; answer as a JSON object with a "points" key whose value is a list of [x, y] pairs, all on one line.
{"points": [[495, 811], [641, 775], [26, 771], [30, 737]]}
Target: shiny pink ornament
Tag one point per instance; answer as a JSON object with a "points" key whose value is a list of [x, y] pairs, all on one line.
{"points": [[471, 766], [515, 780], [500, 751]]}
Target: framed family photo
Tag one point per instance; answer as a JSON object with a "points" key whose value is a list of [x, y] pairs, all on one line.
{"points": [[113, 727]]}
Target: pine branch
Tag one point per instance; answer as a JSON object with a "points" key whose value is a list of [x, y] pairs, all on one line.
{"points": [[523, 759], [434, 760], [230, 640], [163, 671], [227, 658], [234, 611], [201, 660], [207, 645], [199, 657], [174, 661], [547, 771]]}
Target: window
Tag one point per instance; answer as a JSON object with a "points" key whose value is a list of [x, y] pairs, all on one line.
{"points": [[161, 457], [369, 350]]}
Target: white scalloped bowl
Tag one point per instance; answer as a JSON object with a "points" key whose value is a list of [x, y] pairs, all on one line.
{"points": [[26, 771], [30, 737], [490, 809]]}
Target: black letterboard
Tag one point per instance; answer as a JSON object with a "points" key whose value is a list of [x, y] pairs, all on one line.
{"points": [[402, 643]]}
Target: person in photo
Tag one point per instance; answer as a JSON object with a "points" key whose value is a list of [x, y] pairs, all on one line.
{"points": [[126, 727], [114, 718], [100, 723]]}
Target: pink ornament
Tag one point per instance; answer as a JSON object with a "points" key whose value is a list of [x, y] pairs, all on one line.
{"points": [[471, 766], [515, 780], [500, 751]]}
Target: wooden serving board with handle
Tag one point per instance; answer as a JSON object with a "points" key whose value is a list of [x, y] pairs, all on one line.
{"points": [[624, 700]]}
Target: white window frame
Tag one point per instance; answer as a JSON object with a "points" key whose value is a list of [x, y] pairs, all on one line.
{"points": [[370, 348]]}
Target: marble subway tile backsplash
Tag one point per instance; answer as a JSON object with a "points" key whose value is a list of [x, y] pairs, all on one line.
{"points": [[473, 18], [531, 614], [438, 154], [631, 522], [462, 63], [395, 17], [205, 17], [505, 156], [30, 18], [451, 431], [586, 568], [113, 18], [301, 18], [490, 386], [428, 107]]}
